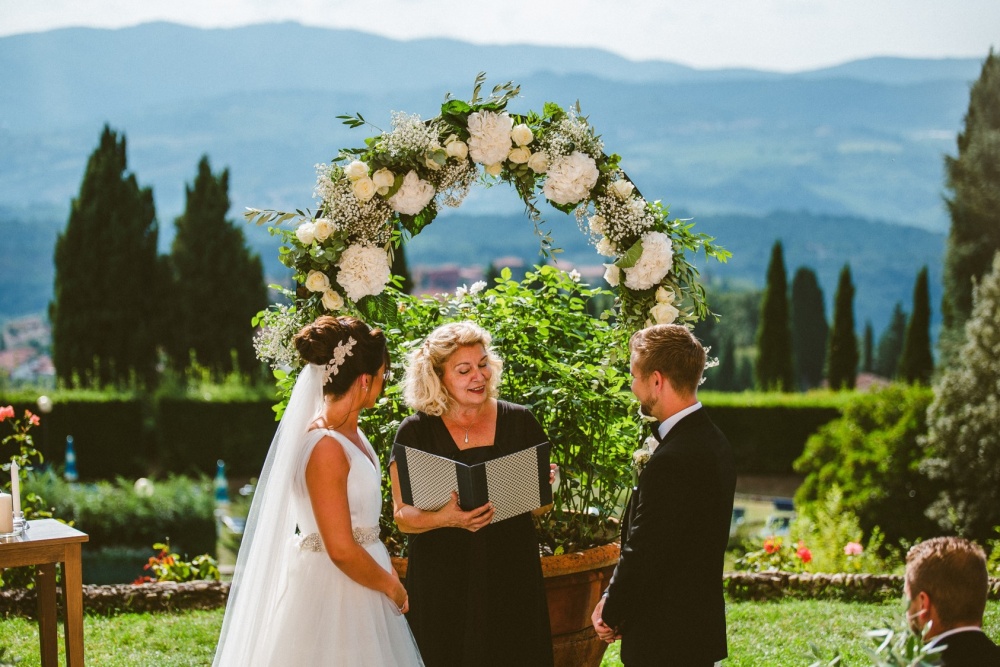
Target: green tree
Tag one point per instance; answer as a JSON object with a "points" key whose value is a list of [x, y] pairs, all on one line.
{"points": [[973, 177], [218, 282], [867, 349], [103, 314], [917, 363], [842, 353], [725, 377], [774, 335], [873, 454], [963, 437], [890, 344], [809, 328]]}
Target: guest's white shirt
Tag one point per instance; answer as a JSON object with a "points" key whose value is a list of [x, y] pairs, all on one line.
{"points": [[672, 420]]}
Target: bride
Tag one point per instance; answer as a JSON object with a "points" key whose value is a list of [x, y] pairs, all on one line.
{"points": [[314, 585]]}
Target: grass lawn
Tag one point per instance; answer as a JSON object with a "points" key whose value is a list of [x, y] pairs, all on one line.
{"points": [[760, 635]]}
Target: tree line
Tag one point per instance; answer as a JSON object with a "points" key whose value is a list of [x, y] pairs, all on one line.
{"points": [[121, 312]]}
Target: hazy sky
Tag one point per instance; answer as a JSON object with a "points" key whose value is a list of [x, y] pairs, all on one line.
{"points": [[784, 35]]}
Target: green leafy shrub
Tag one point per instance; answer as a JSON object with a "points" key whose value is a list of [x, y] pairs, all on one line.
{"points": [[837, 539], [122, 514], [873, 454], [169, 566]]}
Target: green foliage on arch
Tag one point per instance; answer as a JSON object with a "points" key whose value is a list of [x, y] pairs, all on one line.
{"points": [[374, 197]]}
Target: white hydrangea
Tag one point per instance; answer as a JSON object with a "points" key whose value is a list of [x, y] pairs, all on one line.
{"points": [[570, 178], [489, 136], [654, 263], [413, 195], [364, 271]]}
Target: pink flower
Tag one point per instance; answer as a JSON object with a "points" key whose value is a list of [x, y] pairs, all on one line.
{"points": [[32, 418], [6, 412], [853, 549], [803, 553]]}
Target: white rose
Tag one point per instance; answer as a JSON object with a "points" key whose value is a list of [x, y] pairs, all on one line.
{"points": [[356, 170], [364, 188], [654, 263], [664, 295], [494, 169], [413, 195], [364, 271], [612, 274], [457, 149], [664, 313], [519, 155], [521, 134], [322, 229], [305, 233], [622, 188], [606, 247], [332, 300], [489, 136], [575, 276], [317, 281], [598, 225], [570, 178], [477, 287], [383, 180], [539, 162]]}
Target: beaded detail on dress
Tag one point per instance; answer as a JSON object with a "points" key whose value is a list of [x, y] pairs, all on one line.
{"points": [[363, 536]]}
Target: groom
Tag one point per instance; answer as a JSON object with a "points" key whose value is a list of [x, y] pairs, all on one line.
{"points": [[665, 600]]}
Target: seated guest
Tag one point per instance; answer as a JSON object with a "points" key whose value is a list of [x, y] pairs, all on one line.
{"points": [[946, 585]]}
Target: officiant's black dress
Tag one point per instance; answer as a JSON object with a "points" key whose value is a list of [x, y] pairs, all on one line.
{"points": [[477, 599]]}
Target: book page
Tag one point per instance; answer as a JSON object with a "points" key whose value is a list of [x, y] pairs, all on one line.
{"points": [[432, 479], [512, 482]]}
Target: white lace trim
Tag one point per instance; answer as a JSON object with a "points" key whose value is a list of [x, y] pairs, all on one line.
{"points": [[363, 536]]}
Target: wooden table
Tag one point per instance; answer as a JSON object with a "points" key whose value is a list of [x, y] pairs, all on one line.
{"points": [[45, 543]]}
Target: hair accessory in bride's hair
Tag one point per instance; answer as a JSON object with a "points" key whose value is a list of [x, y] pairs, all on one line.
{"points": [[340, 354]]}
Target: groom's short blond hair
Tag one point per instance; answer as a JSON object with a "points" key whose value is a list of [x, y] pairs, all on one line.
{"points": [[672, 350], [952, 571]]}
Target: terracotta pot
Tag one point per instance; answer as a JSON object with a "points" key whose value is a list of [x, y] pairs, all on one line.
{"points": [[574, 584]]}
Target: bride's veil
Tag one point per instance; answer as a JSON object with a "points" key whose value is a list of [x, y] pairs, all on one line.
{"points": [[259, 579]]}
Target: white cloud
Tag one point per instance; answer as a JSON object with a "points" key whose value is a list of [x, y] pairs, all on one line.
{"points": [[783, 35]]}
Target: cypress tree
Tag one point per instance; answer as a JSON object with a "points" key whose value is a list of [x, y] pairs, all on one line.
{"points": [[973, 177], [103, 312], [842, 354], [890, 344], [963, 436], [218, 282], [774, 336], [916, 363], [809, 328], [867, 352]]}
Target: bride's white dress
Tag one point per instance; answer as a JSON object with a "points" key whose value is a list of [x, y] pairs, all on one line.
{"points": [[323, 617]]}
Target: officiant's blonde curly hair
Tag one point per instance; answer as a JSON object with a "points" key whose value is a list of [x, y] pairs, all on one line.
{"points": [[422, 386]]}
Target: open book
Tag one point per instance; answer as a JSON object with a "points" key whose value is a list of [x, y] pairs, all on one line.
{"points": [[515, 483]]}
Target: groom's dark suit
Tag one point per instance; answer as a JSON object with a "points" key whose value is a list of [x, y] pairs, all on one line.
{"points": [[666, 595], [969, 648]]}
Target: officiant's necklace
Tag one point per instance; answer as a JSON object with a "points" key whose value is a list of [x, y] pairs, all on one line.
{"points": [[469, 427]]}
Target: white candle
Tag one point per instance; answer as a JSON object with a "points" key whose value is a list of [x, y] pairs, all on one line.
{"points": [[15, 487], [6, 514]]}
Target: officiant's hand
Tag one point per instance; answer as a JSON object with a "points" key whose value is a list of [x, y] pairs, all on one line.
{"points": [[455, 517]]}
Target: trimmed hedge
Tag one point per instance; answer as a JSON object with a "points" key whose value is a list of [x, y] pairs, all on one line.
{"points": [[768, 439], [194, 434], [122, 436]]}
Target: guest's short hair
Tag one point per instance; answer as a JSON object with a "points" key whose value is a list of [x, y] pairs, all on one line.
{"points": [[316, 343], [674, 351], [952, 571], [422, 386]]}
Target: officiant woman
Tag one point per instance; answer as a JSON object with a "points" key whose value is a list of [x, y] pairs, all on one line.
{"points": [[476, 591]]}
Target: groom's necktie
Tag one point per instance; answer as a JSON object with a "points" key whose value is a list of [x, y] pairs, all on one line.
{"points": [[655, 426]]}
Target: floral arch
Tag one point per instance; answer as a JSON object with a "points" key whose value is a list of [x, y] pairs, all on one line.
{"points": [[372, 198]]}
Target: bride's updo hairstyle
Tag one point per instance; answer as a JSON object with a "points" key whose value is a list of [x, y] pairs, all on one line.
{"points": [[422, 386], [327, 342]]}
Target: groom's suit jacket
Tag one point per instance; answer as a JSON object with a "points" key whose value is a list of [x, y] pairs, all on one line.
{"points": [[666, 595], [969, 648]]}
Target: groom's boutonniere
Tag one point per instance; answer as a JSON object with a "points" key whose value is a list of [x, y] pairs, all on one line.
{"points": [[641, 457]]}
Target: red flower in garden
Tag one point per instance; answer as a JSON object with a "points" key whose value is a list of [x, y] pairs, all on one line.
{"points": [[771, 545], [32, 418], [6, 412], [803, 553]]}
